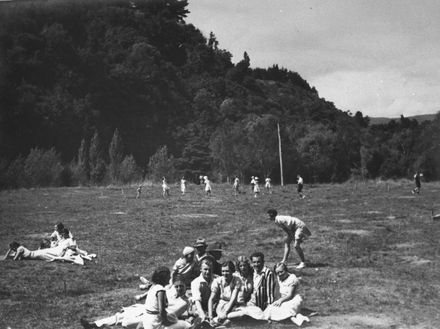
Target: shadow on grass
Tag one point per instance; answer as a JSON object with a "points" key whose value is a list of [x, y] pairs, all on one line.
{"points": [[316, 265]]}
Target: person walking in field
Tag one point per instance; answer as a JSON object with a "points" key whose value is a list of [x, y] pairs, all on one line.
{"points": [[138, 192], [296, 231], [252, 183], [268, 185], [183, 185], [236, 186], [300, 185], [417, 182], [289, 303], [256, 187], [208, 188], [165, 188]]}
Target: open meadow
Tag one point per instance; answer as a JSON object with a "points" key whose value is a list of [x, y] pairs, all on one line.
{"points": [[373, 257]]}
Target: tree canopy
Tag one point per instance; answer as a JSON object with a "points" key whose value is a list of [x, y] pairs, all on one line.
{"points": [[73, 73]]}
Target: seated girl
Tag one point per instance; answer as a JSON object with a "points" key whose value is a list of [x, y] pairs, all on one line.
{"points": [[245, 273], [289, 304], [225, 289], [131, 316], [58, 234]]}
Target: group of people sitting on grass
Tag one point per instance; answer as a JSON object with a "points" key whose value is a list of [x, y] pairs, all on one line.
{"points": [[199, 292], [59, 246]]}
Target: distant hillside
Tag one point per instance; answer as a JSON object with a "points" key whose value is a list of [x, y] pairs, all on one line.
{"points": [[105, 89], [419, 118]]}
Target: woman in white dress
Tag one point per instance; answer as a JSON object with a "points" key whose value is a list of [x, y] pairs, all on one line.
{"points": [[165, 188], [256, 187], [289, 303], [183, 185], [131, 316], [268, 185], [208, 189]]}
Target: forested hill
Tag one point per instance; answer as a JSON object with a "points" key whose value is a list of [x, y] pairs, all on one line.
{"points": [[103, 86]]}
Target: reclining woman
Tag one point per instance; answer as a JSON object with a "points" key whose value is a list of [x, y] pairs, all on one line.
{"points": [[131, 316], [19, 252], [289, 304], [66, 250]]}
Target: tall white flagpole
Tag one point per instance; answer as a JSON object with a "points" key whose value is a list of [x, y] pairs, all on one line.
{"points": [[281, 156]]}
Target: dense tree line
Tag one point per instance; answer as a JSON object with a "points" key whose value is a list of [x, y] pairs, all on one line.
{"points": [[103, 90]]}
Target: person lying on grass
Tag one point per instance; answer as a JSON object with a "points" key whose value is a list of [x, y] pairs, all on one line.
{"points": [[19, 252], [289, 303], [131, 316], [224, 289], [296, 231], [64, 251]]}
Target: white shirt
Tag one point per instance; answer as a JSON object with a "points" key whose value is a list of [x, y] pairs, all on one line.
{"points": [[289, 222], [287, 284], [151, 303]]}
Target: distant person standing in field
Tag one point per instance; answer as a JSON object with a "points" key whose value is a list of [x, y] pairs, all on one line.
{"points": [[296, 231], [165, 188], [138, 191], [268, 185], [183, 185], [236, 186], [252, 183], [208, 189], [300, 186], [417, 182], [256, 187]]}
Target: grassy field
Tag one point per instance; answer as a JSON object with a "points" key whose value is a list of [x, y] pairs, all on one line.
{"points": [[373, 254]]}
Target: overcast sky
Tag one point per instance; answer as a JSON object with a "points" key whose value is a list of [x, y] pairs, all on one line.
{"points": [[378, 57]]}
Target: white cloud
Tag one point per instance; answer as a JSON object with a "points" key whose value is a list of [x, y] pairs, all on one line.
{"points": [[377, 56], [378, 93]]}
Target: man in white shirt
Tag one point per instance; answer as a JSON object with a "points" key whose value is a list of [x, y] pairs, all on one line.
{"points": [[201, 289], [296, 231]]}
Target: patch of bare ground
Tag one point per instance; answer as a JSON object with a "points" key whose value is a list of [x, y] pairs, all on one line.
{"points": [[353, 321], [356, 232]]}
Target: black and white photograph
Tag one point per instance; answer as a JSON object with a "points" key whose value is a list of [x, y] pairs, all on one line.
{"points": [[201, 164]]}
